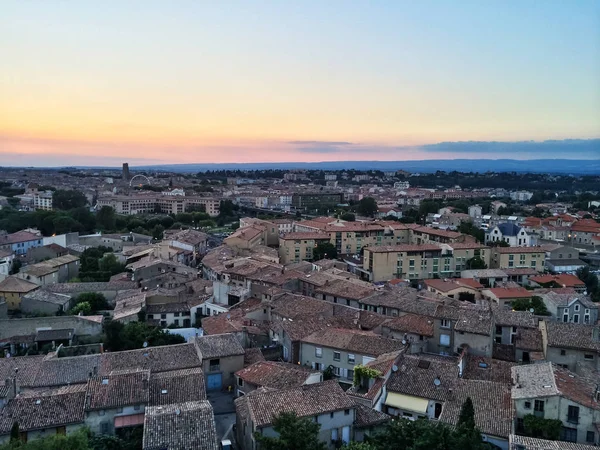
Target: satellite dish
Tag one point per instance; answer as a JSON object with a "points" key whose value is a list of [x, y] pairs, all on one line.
{"points": [[394, 368], [403, 341], [531, 310], [437, 382], [145, 344]]}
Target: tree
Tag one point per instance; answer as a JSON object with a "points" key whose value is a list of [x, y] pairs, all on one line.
{"points": [[466, 417], [349, 217], [63, 199], [294, 434], [470, 229], [498, 244], [367, 206], [227, 208], [15, 267], [157, 232], [14, 432], [83, 307], [133, 335], [96, 300], [476, 263], [324, 250], [109, 263], [72, 441], [105, 218]]}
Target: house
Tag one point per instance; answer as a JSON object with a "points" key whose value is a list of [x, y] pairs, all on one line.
{"points": [[517, 257], [486, 277], [46, 252], [20, 242], [246, 238], [571, 345], [551, 392], [343, 350], [576, 308], [51, 271], [222, 356], [192, 241], [504, 296], [387, 212], [493, 409], [466, 289], [299, 246], [473, 329], [44, 302], [273, 375], [563, 280], [420, 386], [13, 289], [410, 328], [508, 232], [44, 413], [325, 402], [508, 326], [6, 261], [188, 425], [560, 259]]}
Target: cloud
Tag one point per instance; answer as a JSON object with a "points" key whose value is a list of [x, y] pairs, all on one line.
{"points": [[550, 148], [319, 143]]}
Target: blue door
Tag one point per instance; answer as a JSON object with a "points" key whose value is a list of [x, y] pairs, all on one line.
{"points": [[214, 382]]}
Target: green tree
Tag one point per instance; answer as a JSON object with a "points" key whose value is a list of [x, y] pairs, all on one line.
{"points": [[96, 300], [324, 250], [63, 199], [349, 217], [133, 335], [65, 224], [157, 232], [83, 307], [466, 418], [15, 434], [294, 434], [367, 206], [72, 441], [15, 267], [591, 282], [227, 208], [106, 218], [498, 244], [476, 263], [470, 229], [109, 263]]}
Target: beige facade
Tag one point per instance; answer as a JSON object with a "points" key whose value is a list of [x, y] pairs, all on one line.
{"points": [[384, 263], [296, 247], [167, 204], [517, 257]]}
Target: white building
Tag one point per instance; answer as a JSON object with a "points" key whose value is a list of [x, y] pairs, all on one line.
{"points": [[43, 200], [521, 196], [6, 261]]}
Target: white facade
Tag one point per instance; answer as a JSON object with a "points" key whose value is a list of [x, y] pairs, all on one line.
{"points": [[43, 200]]}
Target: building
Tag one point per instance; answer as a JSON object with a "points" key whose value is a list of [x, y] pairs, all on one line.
{"points": [[125, 172], [316, 200], [505, 296], [571, 345], [508, 232], [43, 302], [528, 443], [20, 242], [6, 261], [178, 426], [521, 196], [574, 308], [459, 288], [273, 375], [222, 357], [475, 211], [343, 350], [560, 259], [558, 281], [12, 289], [551, 392], [51, 271], [43, 200], [151, 203], [324, 402], [517, 257]]}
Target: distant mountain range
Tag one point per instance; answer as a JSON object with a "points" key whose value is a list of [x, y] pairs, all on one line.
{"points": [[563, 166]]}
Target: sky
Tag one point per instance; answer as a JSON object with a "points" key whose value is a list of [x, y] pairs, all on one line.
{"points": [[143, 81]]}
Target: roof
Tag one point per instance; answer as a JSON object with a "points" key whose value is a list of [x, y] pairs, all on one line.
{"points": [[306, 401], [219, 346], [507, 250], [411, 323], [416, 376], [529, 443], [17, 285], [483, 273], [72, 288], [572, 335], [304, 235], [27, 368], [563, 279], [353, 341], [71, 370], [42, 295], [367, 417], [253, 355], [450, 284], [159, 359], [47, 409], [343, 288], [180, 426], [508, 317], [492, 404], [19, 236], [559, 299], [276, 375], [474, 321], [55, 335], [39, 269], [487, 369], [529, 339], [508, 293], [177, 386], [508, 229], [118, 389]]}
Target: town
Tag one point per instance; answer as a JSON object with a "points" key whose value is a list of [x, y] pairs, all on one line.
{"points": [[346, 309]]}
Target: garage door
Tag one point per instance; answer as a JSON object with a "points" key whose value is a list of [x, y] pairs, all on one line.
{"points": [[214, 382]]}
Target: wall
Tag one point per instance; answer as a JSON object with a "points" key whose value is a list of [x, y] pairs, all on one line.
{"points": [[95, 419], [434, 344], [35, 306], [308, 357], [3, 309], [228, 366], [479, 345], [572, 357], [21, 327]]}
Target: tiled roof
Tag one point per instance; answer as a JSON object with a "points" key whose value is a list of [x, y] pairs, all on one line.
{"points": [[275, 375], [529, 443], [180, 426], [71, 370], [306, 401], [353, 341], [487, 369], [345, 289], [404, 248], [25, 367], [306, 235], [447, 285], [19, 236], [572, 335], [508, 293], [492, 404], [533, 380], [219, 346], [367, 417], [508, 250], [411, 323], [563, 279], [384, 362], [576, 387], [416, 376], [42, 295], [483, 273], [47, 409], [72, 288], [507, 317], [560, 299], [55, 335], [529, 339], [293, 306], [14, 284], [474, 321], [158, 359], [118, 390], [177, 386], [253, 355]]}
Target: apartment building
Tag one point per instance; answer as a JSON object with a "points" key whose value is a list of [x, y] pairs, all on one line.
{"points": [[166, 204], [410, 261], [314, 200], [20, 242], [43, 200], [296, 247], [517, 257]]}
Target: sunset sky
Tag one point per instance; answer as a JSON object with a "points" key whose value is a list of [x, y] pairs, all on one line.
{"points": [[102, 82]]}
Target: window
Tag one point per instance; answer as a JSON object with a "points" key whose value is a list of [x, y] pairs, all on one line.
{"points": [[527, 405], [318, 352], [411, 263], [538, 408], [577, 306], [498, 329], [575, 318], [331, 415], [563, 352], [445, 340], [240, 382], [588, 357], [163, 316], [336, 356], [334, 434], [137, 407], [351, 358], [346, 412], [590, 437], [214, 365], [445, 323], [573, 414], [568, 434]]}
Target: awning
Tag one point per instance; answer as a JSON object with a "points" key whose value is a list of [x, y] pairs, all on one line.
{"points": [[407, 402], [129, 421]]}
